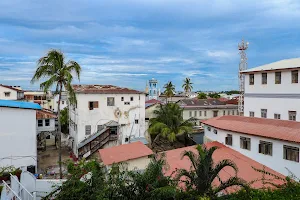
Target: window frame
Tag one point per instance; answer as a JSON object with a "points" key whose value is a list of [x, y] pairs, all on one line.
{"points": [[136, 121], [126, 102], [250, 113], [224, 112], [131, 98], [295, 73], [264, 80], [277, 75], [47, 121], [251, 79], [215, 113], [262, 147], [277, 116], [42, 123], [195, 113], [93, 105], [109, 102], [292, 115], [228, 139], [205, 113], [88, 129], [291, 148], [262, 112], [122, 98], [248, 145], [7, 94]]}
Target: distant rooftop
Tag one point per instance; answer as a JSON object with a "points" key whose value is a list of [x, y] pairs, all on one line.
{"points": [[104, 89], [279, 65], [16, 88], [123, 153], [19, 104], [204, 103], [269, 128], [45, 114]]}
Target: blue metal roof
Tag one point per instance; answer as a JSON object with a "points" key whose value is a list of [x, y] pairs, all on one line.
{"points": [[19, 104]]}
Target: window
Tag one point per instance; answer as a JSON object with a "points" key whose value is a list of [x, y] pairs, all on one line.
{"points": [[291, 153], [264, 113], [122, 98], [265, 147], [295, 76], [62, 102], [228, 112], [126, 139], [88, 129], [7, 94], [264, 78], [292, 115], [110, 101], [208, 128], [93, 104], [200, 113], [126, 103], [190, 113], [251, 79], [215, 113], [276, 116], [40, 122], [245, 143], [131, 98], [277, 77], [232, 112], [215, 131], [136, 121], [195, 113], [47, 122], [251, 114], [205, 113], [228, 139], [48, 137], [50, 107], [224, 112]]}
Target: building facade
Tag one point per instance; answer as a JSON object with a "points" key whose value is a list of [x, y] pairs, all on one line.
{"points": [[45, 121], [11, 92], [63, 102], [274, 143], [18, 146], [202, 109], [272, 90], [103, 106], [153, 89], [41, 98]]}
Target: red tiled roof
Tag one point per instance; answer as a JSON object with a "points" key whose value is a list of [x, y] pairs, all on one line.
{"points": [[103, 89], [232, 101], [244, 164], [153, 101], [124, 153], [223, 99], [269, 128], [10, 87], [45, 114]]}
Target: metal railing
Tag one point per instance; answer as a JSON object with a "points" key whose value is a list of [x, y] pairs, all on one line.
{"points": [[23, 192], [10, 194]]}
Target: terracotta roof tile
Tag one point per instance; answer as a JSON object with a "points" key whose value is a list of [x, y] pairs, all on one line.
{"points": [[244, 164], [124, 153], [12, 88], [153, 101], [104, 89], [45, 114], [269, 128]]}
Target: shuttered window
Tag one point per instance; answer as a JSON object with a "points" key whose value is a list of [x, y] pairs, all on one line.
{"points": [[245, 143], [93, 104], [88, 129], [265, 148]]}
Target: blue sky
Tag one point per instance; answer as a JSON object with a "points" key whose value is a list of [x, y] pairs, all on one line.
{"points": [[127, 42]]}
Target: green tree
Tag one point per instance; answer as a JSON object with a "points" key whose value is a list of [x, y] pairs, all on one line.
{"points": [[201, 95], [169, 122], [214, 95], [169, 90], [187, 86], [203, 172], [58, 73], [64, 120]]}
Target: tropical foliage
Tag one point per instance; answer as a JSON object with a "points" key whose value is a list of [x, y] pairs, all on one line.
{"points": [[199, 179], [169, 90], [187, 85], [202, 95], [169, 122], [64, 120], [56, 72], [214, 95]]}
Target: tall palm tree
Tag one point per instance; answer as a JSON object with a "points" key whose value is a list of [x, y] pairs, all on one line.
{"points": [[169, 122], [187, 86], [169, 90], [58, 73], [203, 172]]}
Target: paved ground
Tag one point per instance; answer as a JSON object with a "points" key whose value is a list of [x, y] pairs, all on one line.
{"points": [[48, 161]]}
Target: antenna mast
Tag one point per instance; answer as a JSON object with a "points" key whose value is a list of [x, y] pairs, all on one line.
{"points": [[243, 46]]}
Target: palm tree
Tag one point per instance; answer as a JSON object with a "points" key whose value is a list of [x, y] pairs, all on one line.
{"points": [[203, 172], [169, 122], [58, 73], [187, 86], [169, 90]]}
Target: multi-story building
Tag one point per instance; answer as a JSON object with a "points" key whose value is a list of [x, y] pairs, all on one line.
{"points": [[18, 133], [45, 121], [11, 92], [63, 101], [103, 111], [272, 90], [41, 98], [201, 109], [153, 89], [271, 142]]}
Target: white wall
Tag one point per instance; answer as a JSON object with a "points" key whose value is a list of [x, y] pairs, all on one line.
{"points": [[137, 164], [209, 113], [18, 137], [13, 93], [63, 102], [275, 161], [50, 128], [83, 116]]}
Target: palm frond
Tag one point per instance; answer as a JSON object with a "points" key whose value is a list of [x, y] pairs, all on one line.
{"points": [[221, 165], [233, 181], [192, 157], [45, 86], [74, 66]]}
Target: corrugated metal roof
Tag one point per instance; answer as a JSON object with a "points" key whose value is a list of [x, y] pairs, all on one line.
{"points": [[123, 153], [19, 104], [244, 164], [269, 128], [103, 89], [282, 64]]}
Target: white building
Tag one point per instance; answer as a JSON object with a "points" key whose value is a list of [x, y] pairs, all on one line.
{"points": [[274, 143], [11, 92], [272, 90], [45, 121], [201, 109], [18, 133], [41, 98], [63, 101], [105, 110]]}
